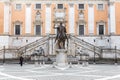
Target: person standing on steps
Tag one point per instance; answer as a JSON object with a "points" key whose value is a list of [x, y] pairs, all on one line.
{"points": [[21, 61]]}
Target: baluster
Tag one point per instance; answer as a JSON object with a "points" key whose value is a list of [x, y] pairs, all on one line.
{"points": [[4, 54]]}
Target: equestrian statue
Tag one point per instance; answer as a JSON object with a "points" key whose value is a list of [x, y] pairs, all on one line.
{"points": [[61, 36]]}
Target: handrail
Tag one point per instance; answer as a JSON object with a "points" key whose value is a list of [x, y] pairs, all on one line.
{"points": [[35, 47], [98, 49], [1, 51], [41, 39], [8, 50], [97, 52], [25, 46], [112, 49], [85, 41], [33, 42], [88, 45]]}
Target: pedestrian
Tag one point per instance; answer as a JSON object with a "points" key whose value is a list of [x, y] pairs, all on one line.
{"points": [[21, 61]]}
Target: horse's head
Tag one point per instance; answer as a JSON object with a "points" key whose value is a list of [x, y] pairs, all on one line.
{"points": [[60, 23]]}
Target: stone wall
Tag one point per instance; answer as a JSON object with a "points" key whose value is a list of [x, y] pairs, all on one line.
{"points": [[4, 41]]}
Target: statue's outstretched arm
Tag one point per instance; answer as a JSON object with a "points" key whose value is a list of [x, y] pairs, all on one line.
{"points": [[55, 27]]}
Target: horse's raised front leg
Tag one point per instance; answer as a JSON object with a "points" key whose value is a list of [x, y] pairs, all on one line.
{"points": [[63, 44], [59, 45]]}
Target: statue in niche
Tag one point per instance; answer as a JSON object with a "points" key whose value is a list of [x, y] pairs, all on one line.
{"points": [[81, 15], [38, 15]]}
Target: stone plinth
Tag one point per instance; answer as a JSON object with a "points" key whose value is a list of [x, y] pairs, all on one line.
{"points": [[61, 57]]}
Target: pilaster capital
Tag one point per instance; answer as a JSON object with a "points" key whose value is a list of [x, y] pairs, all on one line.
{"points": [[90, 4], [7, 3], [28, 4], [111, 2], [71, 4], [48, 4]]}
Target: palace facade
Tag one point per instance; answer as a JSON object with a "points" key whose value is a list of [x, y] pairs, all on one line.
{"points": [[24, 21]]}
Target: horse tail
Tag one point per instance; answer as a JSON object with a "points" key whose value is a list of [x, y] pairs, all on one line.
{"points": [[67, 41], [55, 40]]}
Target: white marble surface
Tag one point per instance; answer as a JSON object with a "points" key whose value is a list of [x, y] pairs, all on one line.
{"points": [[47, 72], [61, 57]]}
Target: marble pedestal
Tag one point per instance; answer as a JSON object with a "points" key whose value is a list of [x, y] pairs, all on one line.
{"points": [[61, 57]]}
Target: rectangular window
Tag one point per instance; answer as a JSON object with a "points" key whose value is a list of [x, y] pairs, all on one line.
{"points": [[81, 29], [17, 29], [38, 6], [100, 6], [18, 7], [60, 6], [101, 29], [81, 6], [37, 30]]}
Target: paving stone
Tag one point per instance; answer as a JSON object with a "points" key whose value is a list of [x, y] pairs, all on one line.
{"points": [[47, 72]]}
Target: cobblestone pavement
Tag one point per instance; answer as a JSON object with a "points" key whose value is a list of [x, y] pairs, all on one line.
{"points": [[49, 72]]}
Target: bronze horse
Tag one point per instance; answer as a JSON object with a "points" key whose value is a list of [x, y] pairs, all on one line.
{"points": [[61, 36]]}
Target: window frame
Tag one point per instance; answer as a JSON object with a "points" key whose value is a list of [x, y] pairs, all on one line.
{"points": [[100, 31], [79, 29], [103, 23], [80, 8], [16, 6], [40, 30], [15, 29], [60, 8], [102, 8], [38, 8]]}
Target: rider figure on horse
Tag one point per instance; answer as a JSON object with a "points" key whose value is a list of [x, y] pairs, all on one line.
{"points": [[61, 35]]}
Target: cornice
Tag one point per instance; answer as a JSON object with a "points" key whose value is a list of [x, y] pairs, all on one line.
{"points": [[60, 1], [57, 0]]}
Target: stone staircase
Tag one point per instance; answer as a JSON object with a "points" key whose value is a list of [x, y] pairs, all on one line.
{"points": [[86, 45], [95, 50], [32, 46], [25, 50], [28, 49]]}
